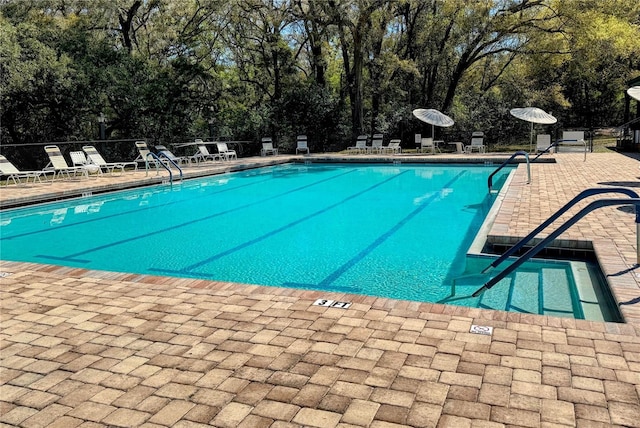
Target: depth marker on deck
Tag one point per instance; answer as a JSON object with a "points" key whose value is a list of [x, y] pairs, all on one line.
{"points": [[481, 329], [332, 304]]}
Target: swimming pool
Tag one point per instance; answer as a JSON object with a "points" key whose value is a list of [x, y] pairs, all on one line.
{"points": [[399, 231]]}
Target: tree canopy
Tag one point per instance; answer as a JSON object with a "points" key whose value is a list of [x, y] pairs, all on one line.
{"points": [[169, 70]]}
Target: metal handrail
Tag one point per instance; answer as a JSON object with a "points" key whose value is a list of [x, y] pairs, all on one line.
{"points": [[535, 250], [584, 194], [520, 152], [545, 151], [157, 162], [172, 162]]}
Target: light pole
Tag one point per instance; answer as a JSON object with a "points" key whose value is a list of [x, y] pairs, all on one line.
{"points": [[211, 122], [101, 120], [211, 129]]}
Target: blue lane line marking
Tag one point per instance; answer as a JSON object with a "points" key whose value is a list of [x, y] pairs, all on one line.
{"points": [[382, 238], [191, 222], [280, 229]]}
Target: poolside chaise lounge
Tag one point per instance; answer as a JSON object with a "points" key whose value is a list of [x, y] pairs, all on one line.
{"points": [[477, 143], [13, 173], [376, 143], [203, 154], [393, 147], [164, 154], [79, 159], [427, 145], [267, 147], [301, 144], [143, 154], [59, 165], [571, 141], [361, 145], [543, 141], [225, 152], [96, 158]]}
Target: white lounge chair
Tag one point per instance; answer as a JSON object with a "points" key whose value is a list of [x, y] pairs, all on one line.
{"points": [[301, 144], [572, 141], [225, 152], [376, 143], [267, 147], [427, 145], [164, 153], [203, 154], [543, 141], [13, 173], [393, 147], [79, 159], [96, 158], [361, 145], [477, 143], [59, 165], [144, 154]]}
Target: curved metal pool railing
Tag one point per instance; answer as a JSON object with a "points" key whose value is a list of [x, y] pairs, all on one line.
{"points": [[536, 249], [518, 153], [158, 162], [172, 163], [582, 195]]}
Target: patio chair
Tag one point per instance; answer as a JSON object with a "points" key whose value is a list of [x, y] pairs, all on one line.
{"points": [[393, 147], [543, 141], [96, 158], [203, 154], [143, 154], [225, 152], [301, 144], [376, 143], [59, 165], [361, 145], [78, 159], [572, 141], [164, 153], [427, 145], [477, 143], [13, 173], [267, 147]]}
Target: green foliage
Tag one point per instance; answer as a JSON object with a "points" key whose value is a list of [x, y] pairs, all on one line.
{"points": [[164, 70]]}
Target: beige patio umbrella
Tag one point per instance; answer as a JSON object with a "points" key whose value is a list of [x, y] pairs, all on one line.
{"points": [[433, 117], [634, 92], [533, 115]]}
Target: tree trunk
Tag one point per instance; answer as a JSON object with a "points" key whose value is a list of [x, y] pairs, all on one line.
{"points": [[125, 24]]}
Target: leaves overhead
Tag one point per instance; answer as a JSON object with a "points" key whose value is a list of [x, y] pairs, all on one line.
{"points": [[165, 70]]}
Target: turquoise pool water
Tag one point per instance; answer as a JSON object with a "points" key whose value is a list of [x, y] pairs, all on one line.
{"points": [[399, 231]]}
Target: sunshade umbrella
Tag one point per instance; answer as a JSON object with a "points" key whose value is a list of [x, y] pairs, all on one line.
{"points": [[433, 117], [634, 92], [533, 115]]}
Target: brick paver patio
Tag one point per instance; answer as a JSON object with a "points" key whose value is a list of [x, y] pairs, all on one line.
{"points": [[88, 348]]}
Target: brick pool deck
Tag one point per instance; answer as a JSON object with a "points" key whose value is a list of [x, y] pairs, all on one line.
{"points": [[82, 348]]}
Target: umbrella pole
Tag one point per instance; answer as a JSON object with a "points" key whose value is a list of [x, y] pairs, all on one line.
{"points": [[531, 138]]}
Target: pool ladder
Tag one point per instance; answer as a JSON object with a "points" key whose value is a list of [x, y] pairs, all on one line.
{"points": [[634, 199], [518, 153], [159, 162]]}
